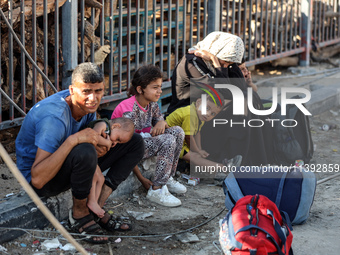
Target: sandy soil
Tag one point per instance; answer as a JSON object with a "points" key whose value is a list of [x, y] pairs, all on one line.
{"points": [[204, 202]]}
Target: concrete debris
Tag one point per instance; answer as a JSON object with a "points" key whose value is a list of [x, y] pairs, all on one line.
{"points": [[188, 238], [140, 215]]}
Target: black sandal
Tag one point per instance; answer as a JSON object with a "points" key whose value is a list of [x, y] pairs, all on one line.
{"points": [[77, 225], [114, 223]]}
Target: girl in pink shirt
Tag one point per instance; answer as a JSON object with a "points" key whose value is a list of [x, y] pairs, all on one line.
{"points": [[161, 141]]}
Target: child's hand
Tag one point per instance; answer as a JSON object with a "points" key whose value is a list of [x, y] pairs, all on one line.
{"points": [[146, 183], [159, 128], [203, 153], [101, 150]]}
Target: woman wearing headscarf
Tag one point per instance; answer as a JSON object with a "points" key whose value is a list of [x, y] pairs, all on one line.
{"points": [[210, 57], [218, 56]]}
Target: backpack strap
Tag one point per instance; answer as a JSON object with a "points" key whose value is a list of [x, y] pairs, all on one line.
{"points": [[286, 219], [231, 190], [279, 231], [280, 190], [269, 236], [253, 252]]}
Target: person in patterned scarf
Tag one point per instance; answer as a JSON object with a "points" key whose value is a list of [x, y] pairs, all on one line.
{"points": [[216, 56]]}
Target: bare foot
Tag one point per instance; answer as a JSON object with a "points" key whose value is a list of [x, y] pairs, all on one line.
{"points": [[94, 207]]}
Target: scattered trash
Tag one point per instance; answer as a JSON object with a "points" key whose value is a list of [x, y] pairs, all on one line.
{"points": [[166, 238], [134, 200], [299, 162], [23, 245], [10, 194], [335, 150], [185, 176], [194, 181], [140, 215], [110, 249], [68, 247], [4, 177], [188, 238], [110, 212], [326, 127], [118, 240], [3, 248], [34, 209], [35, 243], [50, 244], [116, 206], [216, 244], [191, 179], [334, 113]]}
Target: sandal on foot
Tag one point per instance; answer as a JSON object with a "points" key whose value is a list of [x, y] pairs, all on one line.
{"points": [[77, 225], [115, 223]]}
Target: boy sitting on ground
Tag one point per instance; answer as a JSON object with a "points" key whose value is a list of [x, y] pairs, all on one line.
{"points": [[191, 120], [111, 132]]}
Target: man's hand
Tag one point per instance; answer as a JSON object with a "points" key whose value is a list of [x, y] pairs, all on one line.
{"points": [[159, 128], [86, 135]]}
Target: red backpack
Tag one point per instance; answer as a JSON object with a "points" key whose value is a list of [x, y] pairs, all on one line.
{"points": [[255, 226]]}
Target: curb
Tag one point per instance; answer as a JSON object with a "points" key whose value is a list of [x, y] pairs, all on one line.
{"points": [[21, 212], [324, 99]]}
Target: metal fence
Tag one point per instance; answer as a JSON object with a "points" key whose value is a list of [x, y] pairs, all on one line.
{"points": [[326, 22], [269, 29], [120, 35]]}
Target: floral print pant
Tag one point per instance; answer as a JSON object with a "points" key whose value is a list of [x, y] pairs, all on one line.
{"points": [[167, 148]]}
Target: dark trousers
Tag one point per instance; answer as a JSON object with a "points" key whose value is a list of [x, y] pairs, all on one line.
{"points": [[76, 173], [78, 169], [121, 159]]}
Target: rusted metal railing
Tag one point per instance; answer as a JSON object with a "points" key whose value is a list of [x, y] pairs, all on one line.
{"points": [[138, 31]]}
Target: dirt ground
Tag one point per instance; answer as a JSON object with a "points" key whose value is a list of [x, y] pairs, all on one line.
{"points": [[203, 208]]}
